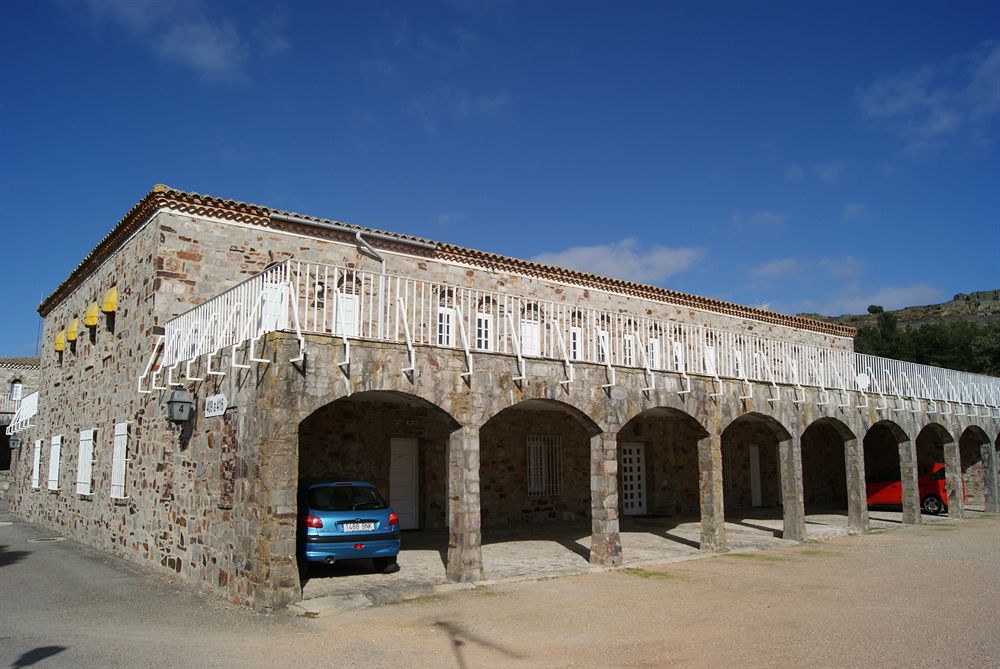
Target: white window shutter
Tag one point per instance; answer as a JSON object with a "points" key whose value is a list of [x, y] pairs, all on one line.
{"points": [[345, 315], [85, 462], [530, 337], [36, 465], [119, 458], [54, 455]]}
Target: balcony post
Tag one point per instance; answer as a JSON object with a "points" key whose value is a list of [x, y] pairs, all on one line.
{"points": [[710, 489], [465, 552], [605, 542], [857, 497], [953, 481]]}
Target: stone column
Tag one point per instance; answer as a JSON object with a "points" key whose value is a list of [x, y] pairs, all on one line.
{"points": [[465, 551], [953, 480], [790, 463], [713, 514], [908, 479], [991, 480], [857, 495], [605, 542], [269, 503]]}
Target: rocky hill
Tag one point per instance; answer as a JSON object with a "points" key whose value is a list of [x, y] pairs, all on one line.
{"points": [[980, 307]]}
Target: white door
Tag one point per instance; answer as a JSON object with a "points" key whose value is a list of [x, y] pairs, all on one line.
{"points": [[404, 481], [755, 475], [633, 478]]}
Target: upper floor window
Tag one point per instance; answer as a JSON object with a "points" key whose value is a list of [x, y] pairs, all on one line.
{"points": [[16, 389]]}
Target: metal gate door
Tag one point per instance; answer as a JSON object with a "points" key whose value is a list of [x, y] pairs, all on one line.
{"points": [[633, 479]]}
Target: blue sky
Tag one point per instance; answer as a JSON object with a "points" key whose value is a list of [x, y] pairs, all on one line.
{"points": [[803, 156]]}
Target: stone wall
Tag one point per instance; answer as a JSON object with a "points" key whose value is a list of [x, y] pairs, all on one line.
{"points": [[824, 474], [504, 465], [736, 442]]}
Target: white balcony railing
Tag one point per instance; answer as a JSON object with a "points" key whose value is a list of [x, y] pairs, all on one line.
{"points": [[8, 404], [310, 298]]}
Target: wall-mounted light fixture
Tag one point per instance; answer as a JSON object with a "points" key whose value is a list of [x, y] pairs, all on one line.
{"points": [[179, 405]]}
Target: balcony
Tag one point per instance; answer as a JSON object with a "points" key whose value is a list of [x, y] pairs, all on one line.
{"points": [[356, 306]]}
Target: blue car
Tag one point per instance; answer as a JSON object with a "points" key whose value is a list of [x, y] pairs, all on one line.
{"points": [[346, 520]]}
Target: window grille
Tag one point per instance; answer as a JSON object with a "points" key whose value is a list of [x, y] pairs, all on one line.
{"points": [[602, 346], [119, 459], [36, 465], [575, 340], [85, 462], [627, 350], [446, 326], [544, 465], [484, 332], [654, 354], [54, 454]]}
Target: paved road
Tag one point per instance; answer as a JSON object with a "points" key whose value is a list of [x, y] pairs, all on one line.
{"points": [[915, 597]]}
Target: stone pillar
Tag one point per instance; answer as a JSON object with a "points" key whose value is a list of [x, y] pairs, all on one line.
{"points": [[465, 551], [953, 480], [908, 479], [857, 495], [269, 503], [790, 463], [713, 514], [991, 480], [605, 542]]}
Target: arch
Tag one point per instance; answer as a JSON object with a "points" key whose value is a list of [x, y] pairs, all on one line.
{"points": [[975, 434], [547, 404], [976, 460], [936, 431], [399, 397], [892, 428], [658, 467], [842, 430], [772, 424]]}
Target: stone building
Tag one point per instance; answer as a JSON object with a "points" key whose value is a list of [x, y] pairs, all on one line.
{"points": [[480, 392], [18, 380]]}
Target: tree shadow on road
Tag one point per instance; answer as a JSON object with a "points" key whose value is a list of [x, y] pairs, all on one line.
{"points": [[36, 655], [10, 557], [459, 637]]}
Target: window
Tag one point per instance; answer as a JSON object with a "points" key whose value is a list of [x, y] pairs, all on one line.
{"points": [[544, 465], [575, 341], [16, 389], [35, 465], [345, 320], [530, 339], [85, 462], [446, 326], [654, 354], [627, 356], [602, 346], [119, 459], [54, 454], [484, 332]]}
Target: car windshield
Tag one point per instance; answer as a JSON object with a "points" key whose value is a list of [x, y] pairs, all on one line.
{"points": [[345, 498]]}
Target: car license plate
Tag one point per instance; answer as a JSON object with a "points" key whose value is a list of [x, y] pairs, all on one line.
{"points": [[358, 527]]}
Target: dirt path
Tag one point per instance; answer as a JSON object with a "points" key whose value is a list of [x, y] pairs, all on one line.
{"points": [[911, 598], [916, 597]]}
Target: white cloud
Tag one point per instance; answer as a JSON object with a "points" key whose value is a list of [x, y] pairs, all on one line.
{"points": [[934, 103], [449, 217], [855, 211], [794, 173], [211, 47], [854, 301], [829, 172], [763, 218], [845, 268], [441, 104], [626, 259], [776, 268]]}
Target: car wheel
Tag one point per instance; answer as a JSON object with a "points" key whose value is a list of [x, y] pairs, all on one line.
{"points": [[386, 565], [932, 504]]}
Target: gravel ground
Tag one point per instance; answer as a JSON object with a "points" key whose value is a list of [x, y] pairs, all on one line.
{"points": [[914, 597]]}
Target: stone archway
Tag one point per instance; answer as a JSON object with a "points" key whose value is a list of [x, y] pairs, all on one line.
{"points": [[536, 478], [890, 458], [979, 475], [833, 475], [935, 446], [762, 477], [659, 481]]}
